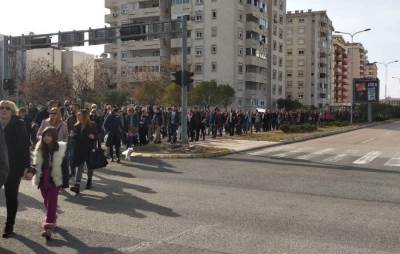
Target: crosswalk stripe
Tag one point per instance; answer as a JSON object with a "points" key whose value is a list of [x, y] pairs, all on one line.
{"points": [[289, 153], [341, 156], [315, 154], [369, 157], [394, 162]]}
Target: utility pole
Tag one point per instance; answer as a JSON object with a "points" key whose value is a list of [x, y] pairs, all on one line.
{"points": [[165, 41], [185, 84], [6, 68]]}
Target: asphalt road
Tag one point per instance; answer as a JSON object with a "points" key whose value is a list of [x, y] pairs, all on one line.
{"points": [[243, 203]]}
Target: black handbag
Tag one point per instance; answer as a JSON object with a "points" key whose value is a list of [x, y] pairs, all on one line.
{"points": [[97, 159]]}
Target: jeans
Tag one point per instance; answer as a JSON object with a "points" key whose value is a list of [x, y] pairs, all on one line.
{"points": [[79, 172]]}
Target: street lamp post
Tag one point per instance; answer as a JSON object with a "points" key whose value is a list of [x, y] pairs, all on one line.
{"points": [[352, 35], [386, 73]]}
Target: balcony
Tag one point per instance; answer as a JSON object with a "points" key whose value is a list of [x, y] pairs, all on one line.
{"points": [[142, 45], [109, 4], [145, 13], [255, 77], [111, 19], [252, 60]]}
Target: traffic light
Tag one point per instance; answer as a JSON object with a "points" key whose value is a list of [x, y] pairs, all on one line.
{"points": [[189, 78], [177, 79], [9, 86]]}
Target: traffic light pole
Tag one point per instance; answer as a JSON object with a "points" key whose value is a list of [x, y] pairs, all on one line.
{"points": [[184, 86], [6, 69]]}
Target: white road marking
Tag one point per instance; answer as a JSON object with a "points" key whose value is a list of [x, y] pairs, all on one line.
{"points": [[315, 154], [369, 157], [289, 153], [394, 162], [340, 156], [267, 151], [368, 140]]}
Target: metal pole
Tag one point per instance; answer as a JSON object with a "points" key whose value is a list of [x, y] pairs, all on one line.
{"points": [[5, 65], [165, 41], [369, 112], [352, 75], [184, 96], [386, 79]]}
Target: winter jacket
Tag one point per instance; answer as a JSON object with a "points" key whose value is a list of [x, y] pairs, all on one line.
{"points": [[62, 130], [56, 172], [18, 144], [4, 167], [82, 143]]}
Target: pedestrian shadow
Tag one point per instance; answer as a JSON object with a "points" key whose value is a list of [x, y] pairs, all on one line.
{"points": [[151, 164], [34, 246], [5, 251], [24, 203], [74, 243], [117, 199], [114, 172]]}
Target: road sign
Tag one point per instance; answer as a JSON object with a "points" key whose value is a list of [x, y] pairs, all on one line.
{"points": [[366, 90]]}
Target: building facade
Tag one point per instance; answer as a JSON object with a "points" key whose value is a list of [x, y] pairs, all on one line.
{"points": [[228, 41], [308, 57], [276, 50], [341, 88]]}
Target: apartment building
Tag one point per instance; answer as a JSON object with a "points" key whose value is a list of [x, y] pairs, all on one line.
{"points": [[308, 57], [64, 61], [342, 85], [276, 50], [350, 61], [228, 41]]}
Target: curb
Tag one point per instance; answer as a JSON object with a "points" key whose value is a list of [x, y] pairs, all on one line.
{"points": [[321, 135], [180, 156], [229, 152]]}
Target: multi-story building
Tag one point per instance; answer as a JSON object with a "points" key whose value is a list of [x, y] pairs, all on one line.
{"points": [[276, 50], [49, 56], [80, 63], [350, 61], [227, 41], [371, 70], [308, 59], [341, 88]]}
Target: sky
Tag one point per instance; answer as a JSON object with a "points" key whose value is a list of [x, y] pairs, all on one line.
{"points": [[383, 42]]}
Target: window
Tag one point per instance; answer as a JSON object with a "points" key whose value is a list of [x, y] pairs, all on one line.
{"points": [[301, 41], [213, 49], [199, 51], [214, 31], [300, 73], [301, 51], [241, 51], [240, 68], [300, 63], [199, 35], [301, 20], [213, 66], [302, 30], [198, 68], [274, 74], [199, 17], [214, 14], [289, 52], [240, 85], [124, 55], [240, 35]]}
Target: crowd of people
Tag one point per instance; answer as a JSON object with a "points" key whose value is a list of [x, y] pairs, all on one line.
{"points": [[52, 145]]}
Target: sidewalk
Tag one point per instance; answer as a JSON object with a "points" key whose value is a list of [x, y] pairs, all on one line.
{"points": [[230, 146]]}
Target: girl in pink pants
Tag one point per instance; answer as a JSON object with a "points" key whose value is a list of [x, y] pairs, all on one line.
{"points": [[47, 159]]}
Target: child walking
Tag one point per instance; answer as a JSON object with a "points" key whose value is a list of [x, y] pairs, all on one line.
{"points": [[47, 159]]}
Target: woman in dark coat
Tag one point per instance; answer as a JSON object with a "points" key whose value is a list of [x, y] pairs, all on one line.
{"points": [[84, 140], [17, 141], [113, 129]]}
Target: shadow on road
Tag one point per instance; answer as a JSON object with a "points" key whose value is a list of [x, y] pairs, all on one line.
{"points": [[4, 251], [34, 246], [155, 165], [74, 243], [25, 202], [117, 199]]}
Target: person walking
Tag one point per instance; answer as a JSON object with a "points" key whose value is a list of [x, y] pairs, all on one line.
{"points": [[47, 159], [83, 138], [17, 141], [4, 166], [113, 129], [54, 120]]}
